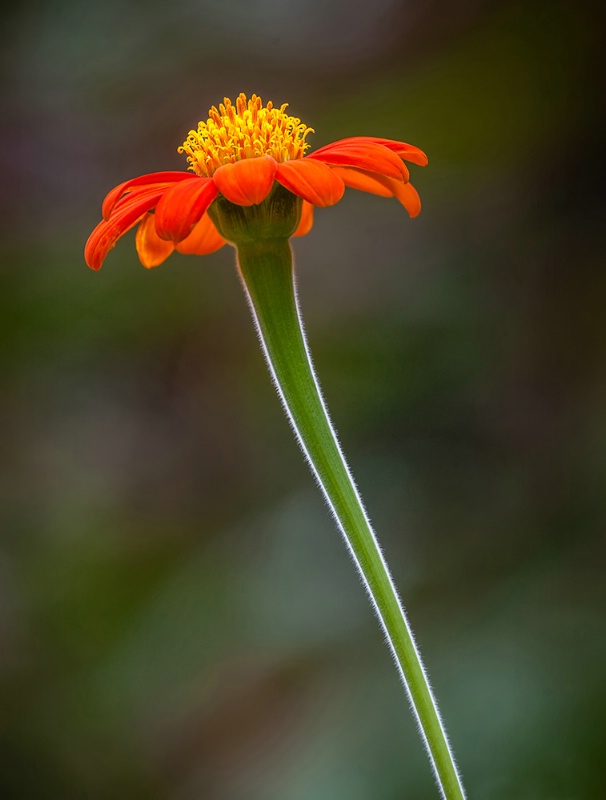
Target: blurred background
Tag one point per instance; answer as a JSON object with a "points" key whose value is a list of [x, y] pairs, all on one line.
{"points": [[178, 616]]}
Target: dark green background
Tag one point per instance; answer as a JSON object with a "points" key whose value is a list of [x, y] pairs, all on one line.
{"points": [[179, 619]]}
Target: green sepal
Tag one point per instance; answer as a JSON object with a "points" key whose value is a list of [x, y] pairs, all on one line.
{"points": [[277, 217]]}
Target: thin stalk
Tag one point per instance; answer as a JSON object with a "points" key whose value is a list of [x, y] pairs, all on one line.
{"points": [[267, 272]]}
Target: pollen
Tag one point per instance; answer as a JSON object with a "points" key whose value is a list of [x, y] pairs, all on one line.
{"points": [[247, 129]]}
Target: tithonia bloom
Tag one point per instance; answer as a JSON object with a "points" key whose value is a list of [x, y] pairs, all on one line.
{"points": [[241, 153], [253, 187]]}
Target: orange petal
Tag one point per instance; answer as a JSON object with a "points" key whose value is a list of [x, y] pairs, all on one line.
{"points": [[152, 250], [365, 155], [136, 194], [385, 187], [182, 206], [246, 182], [409, 197], [307, 219], [107, 232], [153, 178], [311, 180], [365, 181], [406, 151], [203, 239]]}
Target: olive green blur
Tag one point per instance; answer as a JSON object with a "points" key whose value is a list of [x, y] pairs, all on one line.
{"points": [[179, 619]]}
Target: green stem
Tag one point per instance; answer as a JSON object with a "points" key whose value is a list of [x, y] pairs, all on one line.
{"points": [[267, 272]]}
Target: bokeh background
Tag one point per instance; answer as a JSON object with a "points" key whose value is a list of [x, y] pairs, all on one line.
{"points": [[178, 617]]}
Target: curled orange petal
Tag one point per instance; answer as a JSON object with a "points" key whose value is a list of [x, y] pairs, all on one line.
{"points": [[107, 232], [365, 155], [150, 180], [365, 181], [182, 206], [314, 181], [385, 187], [406, 151], [307, 219], [246, 182], [203, 239], [151, 249], [409, 197]]}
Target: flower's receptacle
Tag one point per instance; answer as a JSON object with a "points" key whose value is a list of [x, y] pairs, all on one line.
{"points": [[277, 217]]}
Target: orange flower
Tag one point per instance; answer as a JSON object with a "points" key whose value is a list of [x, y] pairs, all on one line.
{"points": [[240, 152]]}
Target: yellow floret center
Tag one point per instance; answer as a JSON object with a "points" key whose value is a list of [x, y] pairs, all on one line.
{"points": [[247, 129]]}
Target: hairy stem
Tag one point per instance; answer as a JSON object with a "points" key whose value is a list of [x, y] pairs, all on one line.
{"points": [[267, 272]]}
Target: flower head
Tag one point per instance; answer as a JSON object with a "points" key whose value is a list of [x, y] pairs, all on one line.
{"points": [[248, 130], [244, 154]]}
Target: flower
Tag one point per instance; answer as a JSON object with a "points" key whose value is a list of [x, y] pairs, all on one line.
{"points": [[240, 152]]}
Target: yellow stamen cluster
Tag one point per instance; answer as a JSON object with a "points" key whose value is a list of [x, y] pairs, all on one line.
{"points": [[247, 130]]}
